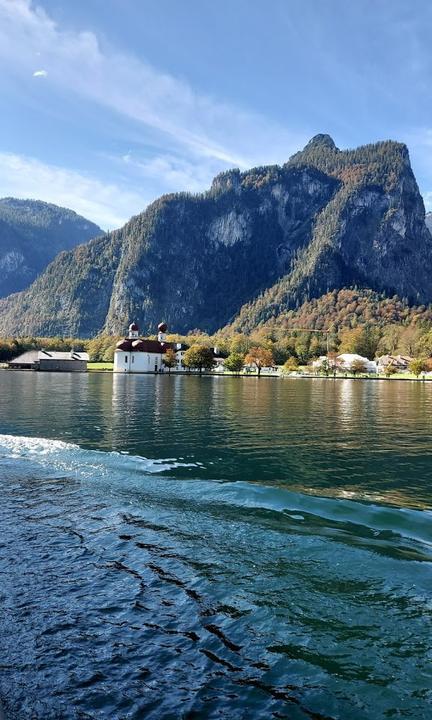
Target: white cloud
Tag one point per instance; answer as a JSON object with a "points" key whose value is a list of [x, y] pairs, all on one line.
{"points": [[75, 61], [194, 136], [107, 205], [427, 197], [171, 171]]}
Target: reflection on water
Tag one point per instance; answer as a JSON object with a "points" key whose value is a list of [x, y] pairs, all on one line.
{"points": [[370, 439], [177, 547]]}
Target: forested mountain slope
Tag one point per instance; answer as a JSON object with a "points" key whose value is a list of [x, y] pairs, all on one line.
{"points": [[32, 233], [371, 234], [257, 244]]}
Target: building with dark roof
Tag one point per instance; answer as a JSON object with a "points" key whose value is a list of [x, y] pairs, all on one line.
{"points": [[140, 355], [51, 360]]}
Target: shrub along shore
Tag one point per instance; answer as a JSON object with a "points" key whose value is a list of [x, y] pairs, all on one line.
{"points": [[346, 321]]}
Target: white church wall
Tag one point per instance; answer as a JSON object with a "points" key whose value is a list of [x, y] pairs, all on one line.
{"points": [[137, 362]]}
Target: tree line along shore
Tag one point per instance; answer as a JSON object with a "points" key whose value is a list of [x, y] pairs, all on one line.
{"points": [[291, 350]]}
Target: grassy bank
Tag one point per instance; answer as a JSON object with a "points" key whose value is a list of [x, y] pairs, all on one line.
{"points": [[100, 366]]}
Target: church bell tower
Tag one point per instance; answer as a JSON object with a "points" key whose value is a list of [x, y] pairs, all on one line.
{"points": [[162, 328], [133, 331]]}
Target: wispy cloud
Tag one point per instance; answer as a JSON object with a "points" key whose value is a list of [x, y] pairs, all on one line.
{"points": [[192, 136], [170, 171], [106, 204], [76, 61]]}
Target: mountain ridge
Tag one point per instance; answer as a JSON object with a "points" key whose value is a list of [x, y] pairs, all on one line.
{"points": [[256, 244], [32, 233]]}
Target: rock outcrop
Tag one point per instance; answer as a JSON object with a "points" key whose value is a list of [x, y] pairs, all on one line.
{"points": [[256, 244]]}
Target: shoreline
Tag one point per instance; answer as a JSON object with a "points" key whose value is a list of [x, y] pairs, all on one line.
{"points": [[276, 375]]}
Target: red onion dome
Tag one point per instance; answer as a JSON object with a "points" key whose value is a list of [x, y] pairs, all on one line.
{"points": [[125, 345], [162, 327], [138, 345], [133, 327]]}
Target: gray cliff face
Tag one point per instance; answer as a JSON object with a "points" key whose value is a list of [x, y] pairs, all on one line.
{"points": [[32, 233], [371, 235], [386, 242], [201, 259], [256, 244]]}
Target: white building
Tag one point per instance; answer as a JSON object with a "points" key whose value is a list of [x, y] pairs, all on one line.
{"points": [[138, 355], [324, 361], [346, 361]]}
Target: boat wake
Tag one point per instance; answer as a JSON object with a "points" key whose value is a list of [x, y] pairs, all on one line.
{"points": [[136, 478], [126, 588]]}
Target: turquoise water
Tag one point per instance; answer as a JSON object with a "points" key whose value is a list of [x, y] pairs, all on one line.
{"points": [[184, 547]]}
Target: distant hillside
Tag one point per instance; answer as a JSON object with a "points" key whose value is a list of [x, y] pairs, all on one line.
{"points": [[349, 308], [256, 245], [32, 233]]}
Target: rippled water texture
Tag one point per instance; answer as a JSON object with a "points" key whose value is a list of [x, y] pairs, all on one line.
{"points": [[177, 547]]}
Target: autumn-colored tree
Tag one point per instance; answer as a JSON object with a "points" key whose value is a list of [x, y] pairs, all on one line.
{"points": [[234, 362], [169, 359], [363, 340], [324, 367], [389, 341], [198, 357], [302, 349], [425, 344], [417, 366], [390, 370], [260, 357], [239, 343], [410, 339], [290, 365], [358, 366]]}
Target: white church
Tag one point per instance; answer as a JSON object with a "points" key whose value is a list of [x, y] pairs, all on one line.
{"points": [[138, 355]]}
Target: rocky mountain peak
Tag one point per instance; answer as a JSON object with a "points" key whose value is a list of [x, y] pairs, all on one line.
{"points": [[321, 140], [227, 180], [264, 240]]}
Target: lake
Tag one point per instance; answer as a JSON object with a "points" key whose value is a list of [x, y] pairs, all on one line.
{"points": [[185, 547]]}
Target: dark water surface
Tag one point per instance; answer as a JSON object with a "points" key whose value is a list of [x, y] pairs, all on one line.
{"points": [[177, 547]]}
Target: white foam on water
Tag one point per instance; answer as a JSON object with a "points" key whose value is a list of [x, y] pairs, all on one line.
{"points": [[17, 446], [66, 456], [74, 461]]}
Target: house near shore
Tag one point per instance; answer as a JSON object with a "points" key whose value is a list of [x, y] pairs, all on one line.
{"points": [[140, 355], [50, 360], [399, 362], [346, 361]]}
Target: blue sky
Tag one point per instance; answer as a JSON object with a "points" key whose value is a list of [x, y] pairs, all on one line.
{"points": [[106, 104]]}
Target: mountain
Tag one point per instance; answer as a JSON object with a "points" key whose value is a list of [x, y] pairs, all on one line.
{"points": [[372, 234], [257, 244], [32, 233], [428, 220]]}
